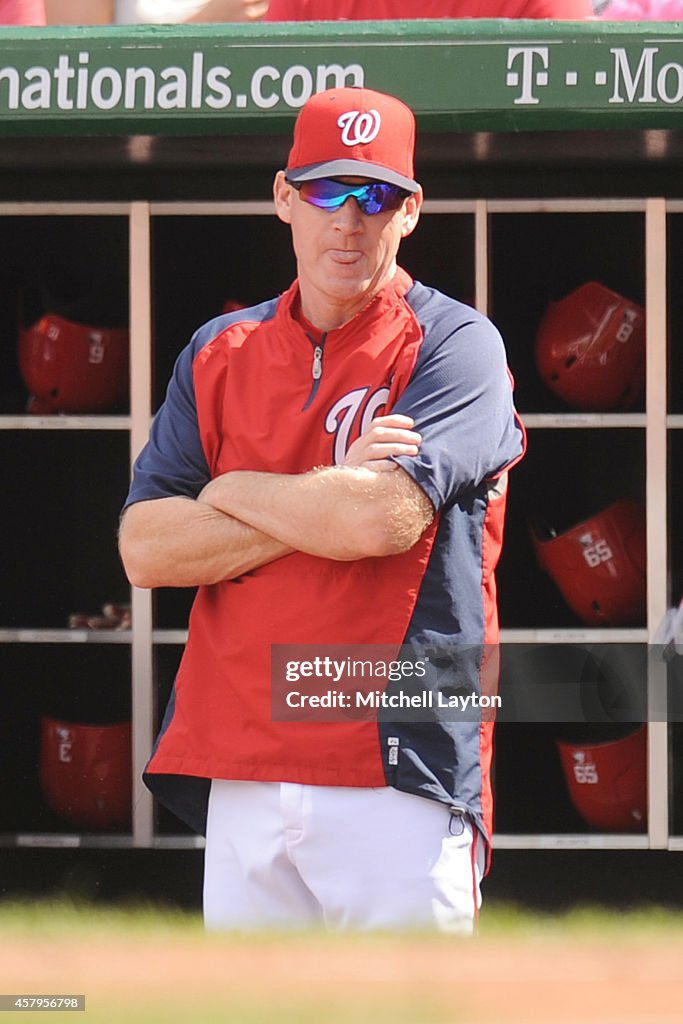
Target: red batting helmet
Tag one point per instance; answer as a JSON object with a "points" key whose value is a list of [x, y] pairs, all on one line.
{"points": [[590, 349], [85, 773], [232, 305], [607, 781], [598, 565], [71, 367]]}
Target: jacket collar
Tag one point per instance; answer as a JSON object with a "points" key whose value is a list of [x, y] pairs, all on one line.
{"points": [[384, 300]]}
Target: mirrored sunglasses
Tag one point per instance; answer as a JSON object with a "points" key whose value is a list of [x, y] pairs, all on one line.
{"points": [[372, 197]]}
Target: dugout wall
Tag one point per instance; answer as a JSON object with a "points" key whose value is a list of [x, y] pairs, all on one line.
{"points": [[135, 175]]}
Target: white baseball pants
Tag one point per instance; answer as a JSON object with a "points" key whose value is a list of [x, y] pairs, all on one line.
{"points": [[287, 855]]}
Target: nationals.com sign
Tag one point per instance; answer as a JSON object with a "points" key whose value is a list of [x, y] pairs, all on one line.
{"points": [[78, 85], [456, 75]]}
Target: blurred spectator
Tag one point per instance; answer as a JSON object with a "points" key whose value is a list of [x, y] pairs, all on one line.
{"points": [[133, 12], [78, 12], [381, 10], [22, 12], [151, 12]]}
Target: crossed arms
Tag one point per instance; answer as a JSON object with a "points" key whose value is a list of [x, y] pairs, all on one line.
{"points": [[368, 507]]}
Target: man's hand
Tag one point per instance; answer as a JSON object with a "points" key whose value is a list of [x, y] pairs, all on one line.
{"points": [[387, 436]]}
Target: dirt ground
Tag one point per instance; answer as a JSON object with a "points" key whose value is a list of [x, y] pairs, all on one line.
{"points": [[382, 980]]}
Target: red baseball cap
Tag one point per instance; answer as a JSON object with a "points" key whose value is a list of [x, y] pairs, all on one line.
{"points": [[354, 131]]}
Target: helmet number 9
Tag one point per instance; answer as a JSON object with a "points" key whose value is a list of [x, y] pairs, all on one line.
{"points": [[95, 349]]}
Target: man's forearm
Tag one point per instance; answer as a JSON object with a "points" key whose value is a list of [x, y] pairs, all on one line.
{"points": [[336, 512], [177, 542]]}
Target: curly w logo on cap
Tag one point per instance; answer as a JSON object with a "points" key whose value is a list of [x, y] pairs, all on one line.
{"points": [[358, 128], [351, 131]]}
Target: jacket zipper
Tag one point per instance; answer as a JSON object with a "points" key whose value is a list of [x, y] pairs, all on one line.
{"points": [[316, 368]]}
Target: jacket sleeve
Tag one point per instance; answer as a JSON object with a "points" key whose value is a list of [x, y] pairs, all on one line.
{"points": [[460, 396], [172, 463]]}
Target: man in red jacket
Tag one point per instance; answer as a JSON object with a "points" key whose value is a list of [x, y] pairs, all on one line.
{"points": [[329, 469]]}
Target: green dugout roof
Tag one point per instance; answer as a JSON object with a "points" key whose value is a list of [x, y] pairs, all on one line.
{"points": [[458, 76]]}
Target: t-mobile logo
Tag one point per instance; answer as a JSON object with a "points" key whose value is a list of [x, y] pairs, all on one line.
{"points": [[527, 69]]}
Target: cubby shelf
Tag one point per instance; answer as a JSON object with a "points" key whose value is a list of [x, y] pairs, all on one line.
{"points": [[464, 248]]}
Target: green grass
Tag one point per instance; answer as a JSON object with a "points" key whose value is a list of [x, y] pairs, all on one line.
{"points": [[69, 917], [582, 923]]}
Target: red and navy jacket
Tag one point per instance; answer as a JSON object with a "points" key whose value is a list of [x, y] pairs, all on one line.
{"points": [[244, 396]]}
